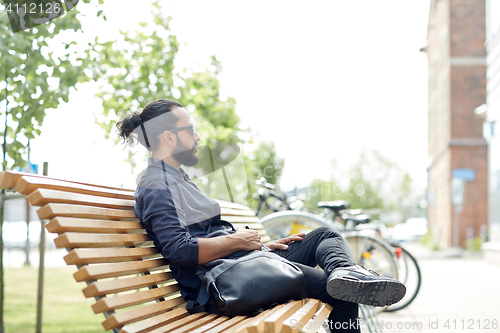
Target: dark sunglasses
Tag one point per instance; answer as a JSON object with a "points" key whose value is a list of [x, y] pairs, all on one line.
{"points": [[178, 129]]}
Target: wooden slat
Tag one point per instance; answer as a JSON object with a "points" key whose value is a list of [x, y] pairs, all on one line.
{"points": [[43, 196], [156, 321], [265, 239], [28, 184], [8, 179], [236, 212], [241, 219], [71, 240], [318, 319], [196, 324], [240, 327], [102, 288], [210, 325], [59, 225], [107, 304], [180, 323], [254, 226], [52, 210], [82, 257], [295, 322], [232, 205], [161, 309], [227, 325], [262, 233], [257, 325], [96, 272], [274, 322]]}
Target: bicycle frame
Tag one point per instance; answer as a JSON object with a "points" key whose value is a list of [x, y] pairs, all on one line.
{"points": [[366, 238], [264, 194]]}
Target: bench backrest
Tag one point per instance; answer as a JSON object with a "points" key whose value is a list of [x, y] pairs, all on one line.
{"points": [[123, 270]]}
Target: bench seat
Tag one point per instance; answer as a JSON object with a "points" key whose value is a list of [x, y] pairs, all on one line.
{"points": [[124, 272]]}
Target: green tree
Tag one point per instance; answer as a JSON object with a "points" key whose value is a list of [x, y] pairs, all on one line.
{"points": [[362, 192], [34, 80], [320, 190], [262, 162], [265, 162], [201, 90], [373, 182]]}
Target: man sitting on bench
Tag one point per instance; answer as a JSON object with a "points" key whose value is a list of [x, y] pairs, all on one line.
{"points": [[177, 216]]}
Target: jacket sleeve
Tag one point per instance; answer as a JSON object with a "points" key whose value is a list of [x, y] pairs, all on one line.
{"points": [[168, 222]]}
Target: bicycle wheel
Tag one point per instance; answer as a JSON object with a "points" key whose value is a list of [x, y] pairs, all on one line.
{"points": [[372, 254], [282, 224], [409, 274]]}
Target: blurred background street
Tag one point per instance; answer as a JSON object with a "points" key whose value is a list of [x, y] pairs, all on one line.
{"points": [[458, 294]]}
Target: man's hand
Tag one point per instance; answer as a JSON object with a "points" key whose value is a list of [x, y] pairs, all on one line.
{"points": [[218, 247], [282, 244], [248, 240]]}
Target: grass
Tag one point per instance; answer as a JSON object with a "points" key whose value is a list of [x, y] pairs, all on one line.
{"points": [[65, 309]]}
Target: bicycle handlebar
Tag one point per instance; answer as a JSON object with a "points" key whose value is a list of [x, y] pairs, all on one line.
{"points": [[262, 182]]}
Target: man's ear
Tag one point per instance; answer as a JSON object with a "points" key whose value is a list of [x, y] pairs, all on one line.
{"points": [[169, 138]]}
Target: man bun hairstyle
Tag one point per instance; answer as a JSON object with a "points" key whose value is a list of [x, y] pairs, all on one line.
{"points": [[144, 127], [128, 125]]}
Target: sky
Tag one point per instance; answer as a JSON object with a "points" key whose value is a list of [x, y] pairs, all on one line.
{"points": [[323, 80]]}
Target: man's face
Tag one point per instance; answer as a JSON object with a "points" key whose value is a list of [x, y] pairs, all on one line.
{"points": [[187, 141]]}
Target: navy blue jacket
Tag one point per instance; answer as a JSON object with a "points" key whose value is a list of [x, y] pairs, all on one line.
{"points": [[175, 213]]}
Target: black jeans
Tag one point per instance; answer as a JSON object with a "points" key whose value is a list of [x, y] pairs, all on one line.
{"points": [[327, 249]]}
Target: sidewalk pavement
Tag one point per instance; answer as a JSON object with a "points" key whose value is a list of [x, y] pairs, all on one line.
{"points": [[460, 292]]}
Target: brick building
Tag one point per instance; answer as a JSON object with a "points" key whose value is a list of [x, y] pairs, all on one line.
{"points": [[457, 86], [490, 112]]}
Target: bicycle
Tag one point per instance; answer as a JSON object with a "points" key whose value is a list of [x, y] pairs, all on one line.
{"points": [[365, 250], [366, 247], [408, 269], [281, 201], [410, 275]]}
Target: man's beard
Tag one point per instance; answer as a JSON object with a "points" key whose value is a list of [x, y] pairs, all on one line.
{"points": [[185, 155]]}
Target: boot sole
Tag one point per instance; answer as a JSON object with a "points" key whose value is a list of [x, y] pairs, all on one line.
{"points": [[373, 293]]}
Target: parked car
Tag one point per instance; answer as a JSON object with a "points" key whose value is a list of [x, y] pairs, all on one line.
{"points": [[411, 230]]}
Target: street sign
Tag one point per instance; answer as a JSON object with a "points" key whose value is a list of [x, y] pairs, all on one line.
{"points": [[464, 173]]}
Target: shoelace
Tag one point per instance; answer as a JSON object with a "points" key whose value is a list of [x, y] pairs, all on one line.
{"points": [[369, 270]]}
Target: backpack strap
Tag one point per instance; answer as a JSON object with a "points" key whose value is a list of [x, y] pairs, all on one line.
{"points": [[202, 301]]}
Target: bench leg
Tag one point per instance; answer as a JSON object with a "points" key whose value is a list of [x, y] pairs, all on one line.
{"points": [[371, 319], [106, 314]]}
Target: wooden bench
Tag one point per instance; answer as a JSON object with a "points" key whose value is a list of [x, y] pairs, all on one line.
{"points": [[126, 274]]}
